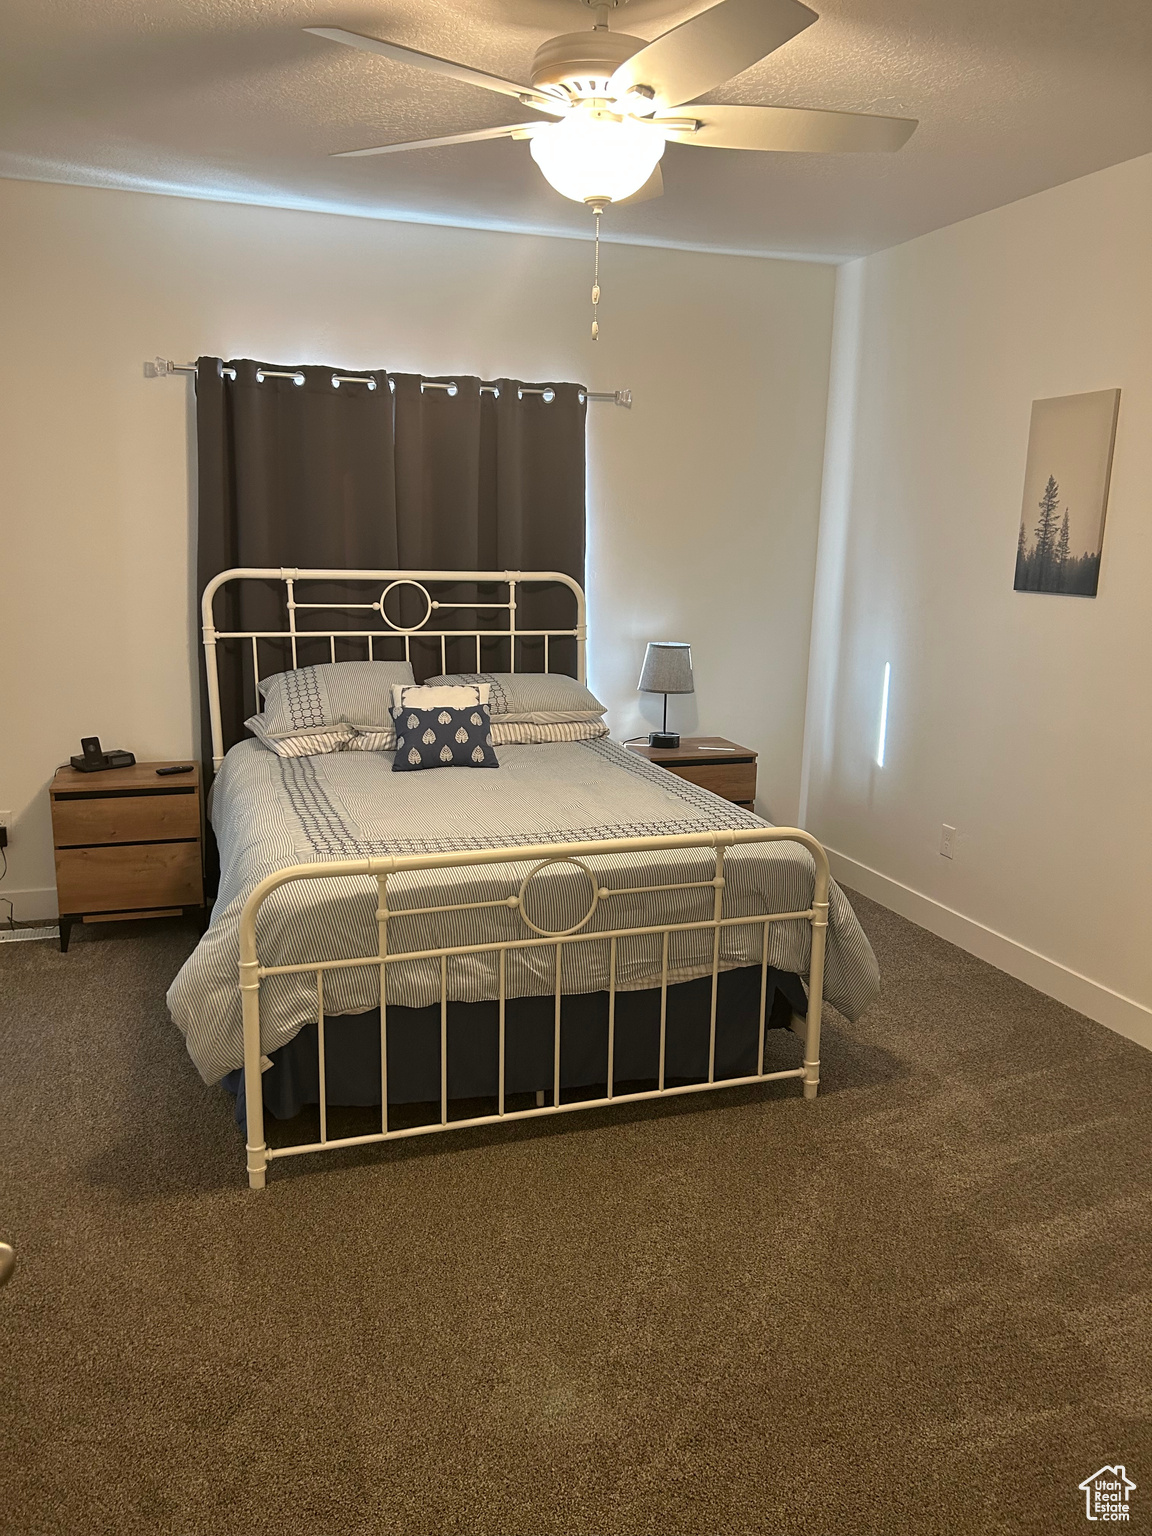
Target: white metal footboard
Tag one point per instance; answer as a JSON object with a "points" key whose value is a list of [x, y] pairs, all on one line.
{"points": [[540, 857]]}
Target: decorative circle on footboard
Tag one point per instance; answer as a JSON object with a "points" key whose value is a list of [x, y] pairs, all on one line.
{"points": [[558, 933]]}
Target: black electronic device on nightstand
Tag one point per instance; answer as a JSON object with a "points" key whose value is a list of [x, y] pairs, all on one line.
{"points": [[95, 760]]}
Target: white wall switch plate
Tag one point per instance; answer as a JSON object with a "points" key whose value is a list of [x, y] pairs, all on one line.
{"points": [[947, 840]]}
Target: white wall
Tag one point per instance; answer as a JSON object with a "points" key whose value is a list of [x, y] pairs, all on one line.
{"points": [[703, 499], [1024, 720]]}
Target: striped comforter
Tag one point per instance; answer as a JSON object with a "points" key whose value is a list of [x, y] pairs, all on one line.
{"points": [[270, 812]]}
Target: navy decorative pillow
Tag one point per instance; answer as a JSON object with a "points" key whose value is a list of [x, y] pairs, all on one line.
{"points": [[443, 738]]}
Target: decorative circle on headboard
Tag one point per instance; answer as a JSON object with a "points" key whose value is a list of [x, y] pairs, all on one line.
{"points": [[400, 629]]}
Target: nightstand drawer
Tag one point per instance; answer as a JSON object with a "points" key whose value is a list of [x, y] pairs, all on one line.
{"points": [[129, 876], [125, 818], [732, 781]]}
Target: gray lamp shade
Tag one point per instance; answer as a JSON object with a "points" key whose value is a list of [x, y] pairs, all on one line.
{"points": [[667, 667]]}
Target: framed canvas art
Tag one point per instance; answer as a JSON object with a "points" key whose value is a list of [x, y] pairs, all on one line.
{"points": [[1066, 493]]}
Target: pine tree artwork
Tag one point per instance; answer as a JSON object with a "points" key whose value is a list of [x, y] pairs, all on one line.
{"points": [[1044, 550], [1061, 560], [1061, 531]]}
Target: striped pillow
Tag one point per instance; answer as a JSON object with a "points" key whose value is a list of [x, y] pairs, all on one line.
{"points": [[312, 700], [334, 738], [383, 740], [540, 698], [507, 733]]}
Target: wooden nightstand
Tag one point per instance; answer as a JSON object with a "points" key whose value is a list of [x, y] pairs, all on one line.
{"points": [[725, 768], [127, 844]]}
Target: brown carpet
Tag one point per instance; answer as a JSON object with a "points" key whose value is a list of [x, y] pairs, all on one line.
{"points": [[920, 1304]]}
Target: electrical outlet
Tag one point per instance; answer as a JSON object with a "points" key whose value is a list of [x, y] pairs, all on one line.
{"points": [[947, 840], [5, 824]]}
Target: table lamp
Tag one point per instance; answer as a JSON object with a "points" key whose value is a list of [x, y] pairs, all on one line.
{"points": [[667, 669]]}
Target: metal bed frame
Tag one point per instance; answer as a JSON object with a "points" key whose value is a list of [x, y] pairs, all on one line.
{"points": [[385, 633]]}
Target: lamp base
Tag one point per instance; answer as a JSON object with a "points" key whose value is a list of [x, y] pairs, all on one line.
{"points": [[663, 738]]}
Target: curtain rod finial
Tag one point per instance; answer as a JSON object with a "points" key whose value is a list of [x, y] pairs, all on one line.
{"points": [[161, 367]]}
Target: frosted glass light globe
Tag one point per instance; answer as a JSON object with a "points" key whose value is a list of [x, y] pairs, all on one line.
{"points": [[592, 158]]}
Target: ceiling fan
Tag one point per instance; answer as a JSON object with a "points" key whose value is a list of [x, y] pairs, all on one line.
{"points": [[620, 100]]}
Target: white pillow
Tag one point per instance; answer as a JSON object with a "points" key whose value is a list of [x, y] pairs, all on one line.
{"points": [[412, 696]]}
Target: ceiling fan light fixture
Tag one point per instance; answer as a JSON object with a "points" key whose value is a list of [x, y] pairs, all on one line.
{"points": [[637, 101], [596, 157]]}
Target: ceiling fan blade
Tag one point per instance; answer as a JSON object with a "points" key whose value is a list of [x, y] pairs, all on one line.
{"points": [[710, 48], [429, 61], [510, 131], [653, 187], [790, 129]]}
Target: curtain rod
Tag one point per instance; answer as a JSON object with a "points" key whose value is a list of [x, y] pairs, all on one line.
{"points": [[159, 367]]}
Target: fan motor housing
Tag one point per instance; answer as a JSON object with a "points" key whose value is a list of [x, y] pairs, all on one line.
{"points": [[583, 62]]}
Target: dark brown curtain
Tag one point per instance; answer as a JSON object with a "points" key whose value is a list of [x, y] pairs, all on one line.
{"points": [[492, 478], [289, 474], [400, 476]]}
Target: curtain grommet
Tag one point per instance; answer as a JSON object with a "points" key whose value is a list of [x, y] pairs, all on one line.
{"points": [[297, 377]]}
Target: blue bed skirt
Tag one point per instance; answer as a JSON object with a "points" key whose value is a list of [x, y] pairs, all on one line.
{"points": [[352, 1054]]}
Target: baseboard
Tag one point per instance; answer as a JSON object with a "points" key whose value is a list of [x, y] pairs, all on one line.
{"points": [[29, 906], [1123, 1014]]}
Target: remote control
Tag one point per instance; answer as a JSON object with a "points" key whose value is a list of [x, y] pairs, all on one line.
{"points": [[185, 768]]}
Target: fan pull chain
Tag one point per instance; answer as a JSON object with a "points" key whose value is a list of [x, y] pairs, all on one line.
{"points": [[596, 279]]}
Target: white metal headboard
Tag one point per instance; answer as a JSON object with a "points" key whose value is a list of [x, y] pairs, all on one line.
{"points": [[386, 632]]}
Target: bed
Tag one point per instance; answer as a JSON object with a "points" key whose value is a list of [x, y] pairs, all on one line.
{"points": [[577, 928]]}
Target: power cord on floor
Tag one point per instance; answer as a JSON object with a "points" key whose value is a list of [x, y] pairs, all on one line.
{"points": [[3, 899]]}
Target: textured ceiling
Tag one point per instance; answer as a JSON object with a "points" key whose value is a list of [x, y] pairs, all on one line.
{"points": [[229, 98]]}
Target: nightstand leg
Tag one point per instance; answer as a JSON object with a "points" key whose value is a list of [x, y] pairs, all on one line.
{"points": [[65, 932]]}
